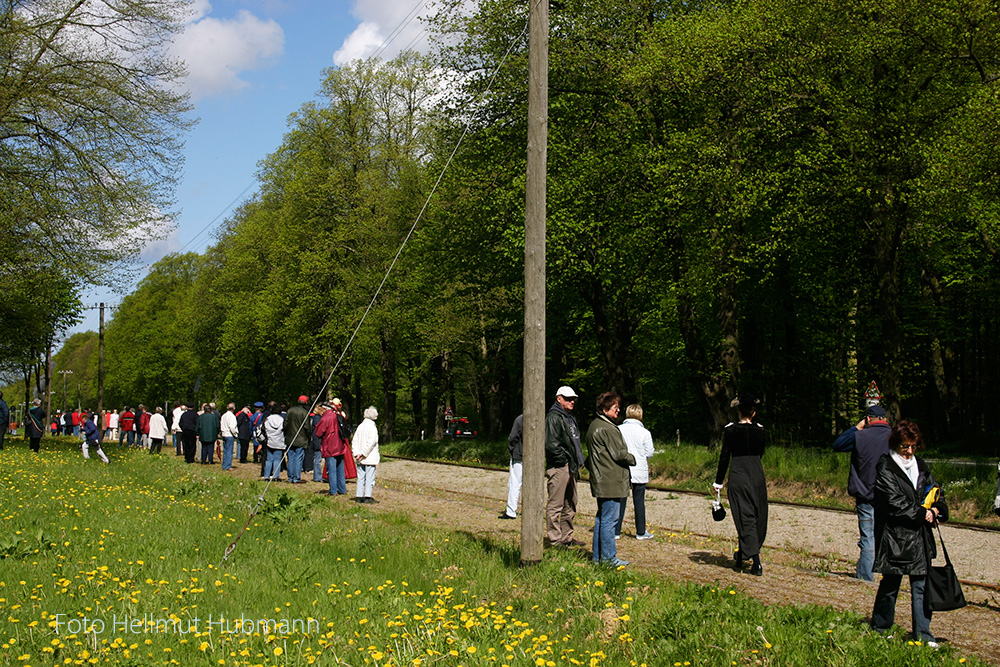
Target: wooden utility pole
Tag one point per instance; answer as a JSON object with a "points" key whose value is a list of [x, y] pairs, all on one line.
{"points": [[100, 374], [533, 498]]}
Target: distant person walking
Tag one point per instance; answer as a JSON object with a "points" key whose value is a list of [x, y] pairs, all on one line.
{"points": [[35, 425], [515, 447], [91, 437], [867, 441], [904, 542], [743, 443], [640, 445]]}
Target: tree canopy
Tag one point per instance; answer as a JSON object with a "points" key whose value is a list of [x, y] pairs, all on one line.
{"points": [[788, 198]]}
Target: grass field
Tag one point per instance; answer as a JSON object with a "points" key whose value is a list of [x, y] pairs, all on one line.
{"points": [[123, 565], [794, 474]]}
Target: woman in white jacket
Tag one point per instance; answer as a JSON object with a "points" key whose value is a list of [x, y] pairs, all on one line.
{"points": [[365, 450], [640, 445], [157, 431]]}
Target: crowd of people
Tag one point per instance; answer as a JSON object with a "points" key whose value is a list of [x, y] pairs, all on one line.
{"points": [[304, 438], [897, 498]]}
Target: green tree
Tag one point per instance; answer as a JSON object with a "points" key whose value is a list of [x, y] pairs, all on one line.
{"points": [[90, 125]]}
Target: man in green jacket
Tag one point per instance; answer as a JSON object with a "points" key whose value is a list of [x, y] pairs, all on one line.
{"points": [[298, 432], [563, 458], [209, 425]]}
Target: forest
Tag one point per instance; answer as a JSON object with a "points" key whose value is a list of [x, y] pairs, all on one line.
{"points": [[790, 198]]}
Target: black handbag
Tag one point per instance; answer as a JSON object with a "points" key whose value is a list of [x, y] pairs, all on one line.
{"points": [[718, 511], [944, 592]]}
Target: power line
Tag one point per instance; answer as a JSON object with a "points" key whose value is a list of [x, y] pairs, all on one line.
{"points": [[260, 500]]}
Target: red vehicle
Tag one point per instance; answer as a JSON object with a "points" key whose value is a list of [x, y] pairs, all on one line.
{"points": [[459, 427]]}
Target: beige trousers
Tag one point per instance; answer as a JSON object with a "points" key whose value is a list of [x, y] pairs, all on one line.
{"points": [[561, 507]]}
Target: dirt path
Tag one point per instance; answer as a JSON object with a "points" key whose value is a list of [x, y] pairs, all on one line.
{"points": [[809, 557]]}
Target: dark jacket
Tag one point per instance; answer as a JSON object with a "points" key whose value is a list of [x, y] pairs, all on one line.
{"points": [[515, 441], [298, 428], [4, 413], [189, 420], [867, 446], [35, 425], [208, 426], [242, 425], [91, 433], [562, 440], [608, 459], [904, 543]]}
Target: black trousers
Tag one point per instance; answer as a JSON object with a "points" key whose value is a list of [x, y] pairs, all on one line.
{"points": [[190, 446], [244, 448]]}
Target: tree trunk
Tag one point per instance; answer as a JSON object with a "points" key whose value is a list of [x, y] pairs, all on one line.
{"points": [[614, 339], [889, 232], [389, 387], [416, 399]]}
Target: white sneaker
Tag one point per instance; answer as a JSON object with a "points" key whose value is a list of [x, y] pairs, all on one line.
{"points": [[618, 537], [932, 644], [645, 536]]}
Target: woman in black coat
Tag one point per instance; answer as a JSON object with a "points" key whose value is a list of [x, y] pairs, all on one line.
{"points": [[743, 443], [35, 426], [904, 543]]}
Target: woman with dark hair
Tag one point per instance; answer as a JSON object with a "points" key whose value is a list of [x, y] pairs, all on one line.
{"points": [[743, 443], [608, 461], [904, 543]]}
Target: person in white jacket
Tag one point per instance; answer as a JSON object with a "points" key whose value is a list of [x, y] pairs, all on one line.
{"points": [[640, 445], [157, 431], [365, 450]]}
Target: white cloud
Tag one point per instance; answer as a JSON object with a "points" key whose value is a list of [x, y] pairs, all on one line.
{"points": [[218, 51], [397, 21]]}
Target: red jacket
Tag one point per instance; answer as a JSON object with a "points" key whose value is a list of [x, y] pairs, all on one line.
{"points": [[144, 423], [331, 444], [126, 421]]}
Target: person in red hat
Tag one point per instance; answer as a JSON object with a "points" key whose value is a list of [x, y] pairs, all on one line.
{"points": [[298, 431]]}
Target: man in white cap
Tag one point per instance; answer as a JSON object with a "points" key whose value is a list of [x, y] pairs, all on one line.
{"points": [[563, 458]]}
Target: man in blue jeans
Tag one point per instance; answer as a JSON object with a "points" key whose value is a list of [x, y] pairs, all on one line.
{"points": [[867, 441]]}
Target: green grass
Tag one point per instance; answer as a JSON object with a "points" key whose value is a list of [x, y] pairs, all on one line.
{"points": [[92, 549], [795, 474]]}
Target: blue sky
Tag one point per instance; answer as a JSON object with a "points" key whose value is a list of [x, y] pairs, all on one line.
{"points": [[251, 63]]}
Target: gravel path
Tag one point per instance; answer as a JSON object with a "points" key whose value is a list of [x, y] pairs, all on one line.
{"points": [[797, 529], [809, 556]]}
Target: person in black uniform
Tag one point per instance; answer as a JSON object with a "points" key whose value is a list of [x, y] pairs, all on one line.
{"points": [[743, 444]]}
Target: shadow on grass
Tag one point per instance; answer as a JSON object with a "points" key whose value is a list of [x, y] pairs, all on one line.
{"points": [[508, 552]]}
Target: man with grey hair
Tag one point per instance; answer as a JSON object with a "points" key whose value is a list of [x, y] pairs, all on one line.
{"points": [[365, 451], [230, 431]]}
